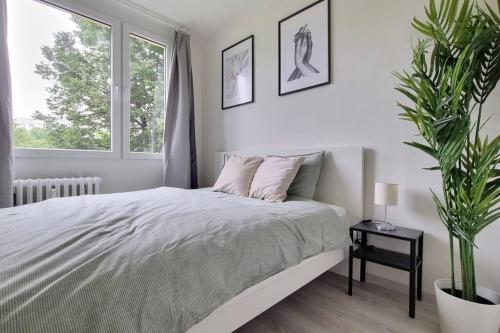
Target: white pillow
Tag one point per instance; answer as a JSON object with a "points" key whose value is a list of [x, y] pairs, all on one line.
{"points": [[273, 178], [237, 174]]}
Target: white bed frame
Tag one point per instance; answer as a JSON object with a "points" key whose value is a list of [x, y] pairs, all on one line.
{"points": [[341, 184]]}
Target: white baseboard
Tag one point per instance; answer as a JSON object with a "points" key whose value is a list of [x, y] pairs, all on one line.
{"points": [[396, 286], [342, 269]]}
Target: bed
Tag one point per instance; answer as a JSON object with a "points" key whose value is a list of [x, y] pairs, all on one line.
{"points": [[161, 260]]}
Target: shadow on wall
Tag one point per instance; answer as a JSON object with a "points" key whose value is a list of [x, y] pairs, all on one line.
{"points": [[421, 203], [369, 170], [418, 202]]}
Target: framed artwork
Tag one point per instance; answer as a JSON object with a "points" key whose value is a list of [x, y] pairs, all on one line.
{"points": [[304, 49], [237, 74]]}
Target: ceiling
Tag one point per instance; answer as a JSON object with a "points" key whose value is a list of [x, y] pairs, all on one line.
{"points": [[205, 17]]}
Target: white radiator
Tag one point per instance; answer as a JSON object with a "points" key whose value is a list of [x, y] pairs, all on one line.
{"points": [[27, 191]]}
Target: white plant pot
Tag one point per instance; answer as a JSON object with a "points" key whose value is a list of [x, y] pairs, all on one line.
{"points": [[459, 316]]}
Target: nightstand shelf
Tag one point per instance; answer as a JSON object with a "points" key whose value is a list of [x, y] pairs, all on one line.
{"points": [[384, 257], [411, 262]]}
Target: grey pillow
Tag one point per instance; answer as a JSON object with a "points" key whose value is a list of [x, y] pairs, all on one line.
{"points": [[305, 183]]}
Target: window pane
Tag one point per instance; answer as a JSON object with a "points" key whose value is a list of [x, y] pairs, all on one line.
{"points": [[147, 95], [61, 78]]}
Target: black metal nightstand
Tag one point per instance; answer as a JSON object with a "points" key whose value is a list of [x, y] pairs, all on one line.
{"points": [[411, 263]]}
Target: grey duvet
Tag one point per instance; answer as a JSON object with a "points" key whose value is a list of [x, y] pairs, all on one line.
{"points": [[149, 261]]}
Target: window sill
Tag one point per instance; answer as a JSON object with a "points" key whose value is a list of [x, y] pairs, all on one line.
{"points": [[143, 156], [82, 154], [63, 153]]}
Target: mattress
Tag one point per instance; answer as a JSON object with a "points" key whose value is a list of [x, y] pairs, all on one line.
{"points": [[159, 260]]}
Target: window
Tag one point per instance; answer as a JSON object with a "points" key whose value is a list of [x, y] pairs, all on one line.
{"points": [[61, 70], [145, 72], [77, 76], [147, 95]]}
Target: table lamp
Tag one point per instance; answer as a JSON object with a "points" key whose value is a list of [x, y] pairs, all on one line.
{"points": [[386, 195]]}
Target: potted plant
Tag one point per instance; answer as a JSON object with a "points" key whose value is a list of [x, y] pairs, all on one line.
{"points": [[455, 67]]}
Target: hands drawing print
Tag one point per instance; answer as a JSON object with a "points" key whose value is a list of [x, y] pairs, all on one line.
{"points": [[303, 51]]}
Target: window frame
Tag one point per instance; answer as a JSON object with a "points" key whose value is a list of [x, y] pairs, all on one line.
{"points": [[115, 111], [128, 29]]}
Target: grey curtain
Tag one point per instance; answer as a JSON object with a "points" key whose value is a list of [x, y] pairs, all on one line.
{"points": [[179, 160], [6, 157]]}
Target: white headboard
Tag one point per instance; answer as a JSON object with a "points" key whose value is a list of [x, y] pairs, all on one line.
{"points": [[341, 181]]}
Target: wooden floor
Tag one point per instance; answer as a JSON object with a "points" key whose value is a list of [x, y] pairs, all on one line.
{"points": [[324, 306]]}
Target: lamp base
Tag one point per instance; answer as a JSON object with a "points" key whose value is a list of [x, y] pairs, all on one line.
{"points": [[386, 226]]}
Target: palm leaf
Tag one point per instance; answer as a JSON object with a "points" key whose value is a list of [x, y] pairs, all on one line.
{"points": [[455, 68]]}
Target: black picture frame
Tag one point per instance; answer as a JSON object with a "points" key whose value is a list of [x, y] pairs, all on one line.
{"points": [[253, 73], [328, 51]]}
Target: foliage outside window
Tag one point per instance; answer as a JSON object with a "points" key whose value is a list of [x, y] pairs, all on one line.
{"points": [[62, 89], [147, 95], [61, 69]]}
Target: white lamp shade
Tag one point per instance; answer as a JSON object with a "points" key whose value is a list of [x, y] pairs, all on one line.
{"points": [[386, 194]]}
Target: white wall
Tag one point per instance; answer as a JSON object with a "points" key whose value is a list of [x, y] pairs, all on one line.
{"points": [[118, 174], [370, 39]]}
